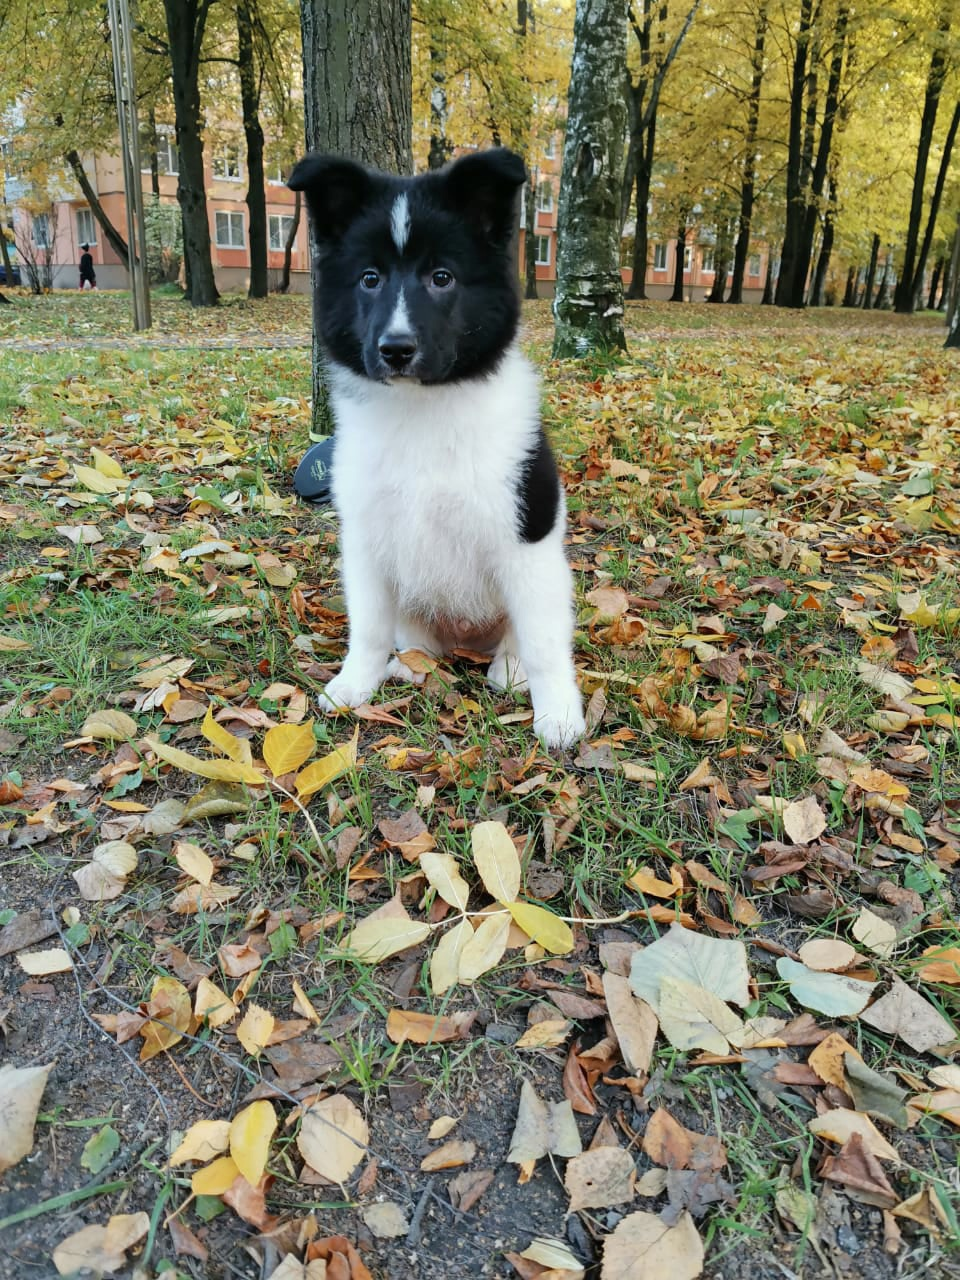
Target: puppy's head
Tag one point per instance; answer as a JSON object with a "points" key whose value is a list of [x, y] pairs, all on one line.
{"points": [[417, 276]]}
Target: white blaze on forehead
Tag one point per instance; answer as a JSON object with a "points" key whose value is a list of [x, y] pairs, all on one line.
{"points": [[400, 221]]}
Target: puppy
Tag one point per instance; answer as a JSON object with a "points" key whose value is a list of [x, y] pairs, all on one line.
{"points": [[452, 513]]}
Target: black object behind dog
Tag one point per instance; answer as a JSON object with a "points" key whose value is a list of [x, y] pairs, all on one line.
{"points": [[311, 480]]}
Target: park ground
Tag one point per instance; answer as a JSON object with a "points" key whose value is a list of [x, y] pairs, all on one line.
{"points": [[764, 524]]}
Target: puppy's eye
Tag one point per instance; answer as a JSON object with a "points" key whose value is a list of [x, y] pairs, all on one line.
{"points": [[370, 279], [441, 279]]}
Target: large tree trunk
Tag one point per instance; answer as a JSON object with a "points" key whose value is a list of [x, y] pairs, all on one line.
{"points": [[290, 242], [867, 300], [588, 305], [641, 241], [530, 238], [767, 298], [904, 295], [111, 234], [850, 291], [186, 21], [253, 133], [935, 206], [357, 86], [677, 295], [793, 229], [880, 301], [721, 261], [934, 285], [951, 292], [821, 166], [441, 149], [747, 188], [154, 164]]}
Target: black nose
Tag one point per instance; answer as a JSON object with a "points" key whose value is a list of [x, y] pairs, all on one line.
{"points": [[398, 349]]}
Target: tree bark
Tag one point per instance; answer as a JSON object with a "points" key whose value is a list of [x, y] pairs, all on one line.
{"points": [[880, 300], [867, 300], [357, 86], [950, 298], [904, 295], [154, 164], [111, 234], [747, 189], [795, 161], [5, 256], [850, 291], [677, 295], [186, 22], [641, 239], [767, 298], [441, 148], [530, 239], [290, 241], [588, 305], [934, 285], [253, 133], [821, 166], [935, 205], [721, 261]]}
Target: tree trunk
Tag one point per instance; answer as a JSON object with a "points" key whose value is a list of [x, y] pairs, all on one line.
{"points": [[821, 166], [530, 239], [588, 305], [945, 284], [290, 241], [921, 267], [795, 161], [111, 234], [934, 285], [850, 291], [441, 148], [154, 163], [867, 300], [677, 295], [641, 239], [880, 301], [357, 86], [767, 298], [747, 190], [5, 255], [904, 295], [721, 261], [950, 297], [253, 133], [186, 22]]}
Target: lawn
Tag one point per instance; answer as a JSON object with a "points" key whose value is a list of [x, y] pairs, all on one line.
{"points": [[427, 988]]}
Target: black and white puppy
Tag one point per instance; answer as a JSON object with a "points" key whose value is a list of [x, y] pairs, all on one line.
{"points": [[452, 514]]}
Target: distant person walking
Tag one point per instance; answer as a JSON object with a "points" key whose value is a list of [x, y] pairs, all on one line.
{"points": [[88, 277]]}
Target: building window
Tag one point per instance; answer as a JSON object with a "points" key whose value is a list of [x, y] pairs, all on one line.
{"points": [[168, 162], [707, 264], [86, 227], [659, 257], [275, 174], [544, 197], [543, 251], [41, 231], [227, 164], [280, 225], [754, 264], [687, 257], [229, 230]]}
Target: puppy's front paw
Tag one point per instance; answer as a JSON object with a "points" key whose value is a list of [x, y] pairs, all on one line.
{"points": [[560, 728], [397, 670], [343, 692]]}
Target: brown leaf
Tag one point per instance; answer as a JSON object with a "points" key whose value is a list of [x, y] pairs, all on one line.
{"points": [[466, 1188], [427, 1028], [576, 1088], [600, 1178], [634, 1023], [857, 1169], [666, 1141], [185, 1243], [903, 1012], [343, 1261], [449, 1156]]}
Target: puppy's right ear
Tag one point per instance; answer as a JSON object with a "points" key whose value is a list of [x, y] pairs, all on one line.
{"points": [[336, 190]]}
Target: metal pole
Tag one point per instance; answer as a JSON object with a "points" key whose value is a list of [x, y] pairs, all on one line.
{"points": [[125, 86]]}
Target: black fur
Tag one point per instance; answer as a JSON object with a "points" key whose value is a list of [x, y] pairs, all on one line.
{"points": [[462, 221], [538, 492]]}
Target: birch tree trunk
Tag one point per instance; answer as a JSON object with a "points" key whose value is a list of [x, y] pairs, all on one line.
{"points": [[588, 306], [357, 86]]}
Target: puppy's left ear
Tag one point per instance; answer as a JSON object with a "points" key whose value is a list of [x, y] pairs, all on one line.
{"points": [[336, 190], [483, 188]]}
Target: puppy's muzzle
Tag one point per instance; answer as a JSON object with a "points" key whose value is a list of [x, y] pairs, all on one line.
{"points": [[397, 350]]}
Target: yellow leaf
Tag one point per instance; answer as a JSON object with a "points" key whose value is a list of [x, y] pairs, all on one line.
{"points": [[322, 772], [109, 724], [117, 856], [235, 748], [287, 746], [40, 963], [445, 961], [96, 482], [213, 1004], [191, 859], [301, 1003], [250, 1135], [216, 1178], [13, 644], [485, 949], [202, 1141], [106, 465], [218, 770], [170, 1003], [375, 940], [553, 934], [495, 858], [333, 1137], [443, 873], [255, 1029], [548, 1034]]}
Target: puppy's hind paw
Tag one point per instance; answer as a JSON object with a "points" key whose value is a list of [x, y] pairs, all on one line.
{"points": [[561, 729], [397, 670]]}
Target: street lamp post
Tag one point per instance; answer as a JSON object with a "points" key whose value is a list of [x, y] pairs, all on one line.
{"points": [[123, 76]]}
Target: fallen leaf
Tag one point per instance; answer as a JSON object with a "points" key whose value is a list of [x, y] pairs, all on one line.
{"points": [[644, 1247], [322, 772], [385, 1219], [101, 1248], [876, 934], [827, 1059], [170, 1002], [110, 725], [495, 858], [600, 1179], [875, 1094], [218, 770], [192, 860], [837, 1126], [21, 1089], [447, 955], [450, 1156], [202, 1141], [634, 1023], [41, 963], [254, 1031], [215, 1178], [376, 938], [212, 1004], [485, 949], [903, 1012], [443, 873], [715, 964], [828, 954], [250, 1133], [861, 1173], [426, 1028], [804, 820], [831, 993], [287, 746], [333, 1137], [542, 1128], [694, 1018], [552, 933]]}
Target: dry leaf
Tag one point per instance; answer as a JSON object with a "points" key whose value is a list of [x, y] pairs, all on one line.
{"points": [[333, 1137], [426, 1028], [21, 1089], [250, 1133], [378, 937], [169, 1001], [552, 933], [101, 1249], [192, 860], [216, 1178], [254, 1031], [495, 858], [828, 954], [443, 873], [322, 772], [600, 1179], [385, 1219], [202, 1141], [903, 1012], [876, 934], [213, 1004], [450, 1156], [804, 820], [287, 746], [542, 1128], [634, 1023], [41, 963], [694, 1018], [839, 1124], [485, 949], [447, 955], [715, 964], [644, 1247]]}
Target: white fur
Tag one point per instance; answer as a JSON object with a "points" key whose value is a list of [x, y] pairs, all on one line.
{"points": [[424, 479], [400, 221], [399, 324]]}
